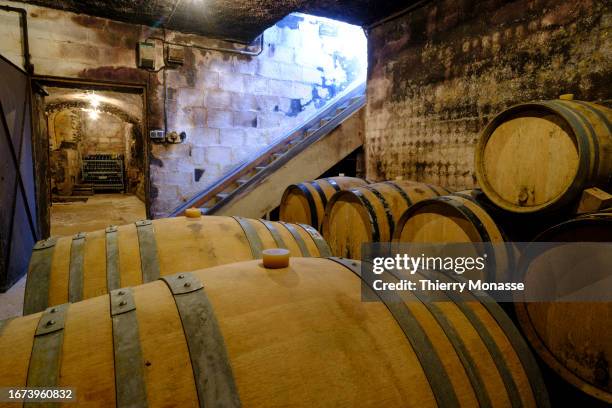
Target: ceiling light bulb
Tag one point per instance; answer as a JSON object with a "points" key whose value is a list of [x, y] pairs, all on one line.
{"points": [[94, 100]]}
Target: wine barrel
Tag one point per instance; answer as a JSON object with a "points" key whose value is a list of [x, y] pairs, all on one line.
{"points": [[305, 203], [457, 218], [300, 336], [539, 156], [369, 213], [573, 338], [70, 269]]}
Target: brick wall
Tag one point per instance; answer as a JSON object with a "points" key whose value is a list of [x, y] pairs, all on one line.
{"points": [[229, 105], [439, 74]]}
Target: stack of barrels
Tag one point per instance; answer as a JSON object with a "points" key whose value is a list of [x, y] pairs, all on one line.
{"points": [[117, 317], [532, 162], [192, 311]]}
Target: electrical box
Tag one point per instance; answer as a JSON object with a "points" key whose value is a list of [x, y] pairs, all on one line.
{"points": [[175, 55], [157, 135], [146, 55]]}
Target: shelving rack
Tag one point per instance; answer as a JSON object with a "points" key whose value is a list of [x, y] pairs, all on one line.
{"points": [[104, 172]]}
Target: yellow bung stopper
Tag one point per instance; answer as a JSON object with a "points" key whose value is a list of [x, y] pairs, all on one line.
{"points": [[275, 258], [566, 97], [193, 213]]}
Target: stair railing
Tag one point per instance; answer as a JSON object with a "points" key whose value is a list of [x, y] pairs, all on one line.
{"points": [[300, 137]]}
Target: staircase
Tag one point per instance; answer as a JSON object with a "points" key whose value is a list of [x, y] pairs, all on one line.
{"points": [[305, 150]]}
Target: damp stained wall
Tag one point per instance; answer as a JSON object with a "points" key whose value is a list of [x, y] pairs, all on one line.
{"points": [[230, 106], [439, 74]]}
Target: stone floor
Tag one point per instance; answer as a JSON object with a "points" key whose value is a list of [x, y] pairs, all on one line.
{"points": [[98, 212]]}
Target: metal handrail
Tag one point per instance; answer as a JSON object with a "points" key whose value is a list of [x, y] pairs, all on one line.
{"points": [[247, 166]]}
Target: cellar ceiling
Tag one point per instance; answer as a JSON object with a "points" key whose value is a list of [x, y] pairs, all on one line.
{"points": [[236, 20]]}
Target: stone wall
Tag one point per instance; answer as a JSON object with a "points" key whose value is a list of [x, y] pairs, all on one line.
{"points": [[229, 105], [232, 106], [105, 135], [439, 74]]}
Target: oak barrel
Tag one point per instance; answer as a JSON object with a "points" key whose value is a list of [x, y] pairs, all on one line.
{"points": [[540, 156], [70, 269], [573, 338], [305, 202], [369, 213], [457, 218], [243, 335]]}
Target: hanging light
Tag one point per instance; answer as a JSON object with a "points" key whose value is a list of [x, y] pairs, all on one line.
{"points": [[94, 100], [94, 114]]}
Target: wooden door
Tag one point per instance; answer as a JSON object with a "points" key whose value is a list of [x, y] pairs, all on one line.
{"points": [[19, 228]]}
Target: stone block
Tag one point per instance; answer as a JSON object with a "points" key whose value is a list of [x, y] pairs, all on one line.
{"points": [[269, 69], [209, 79], [198, 156], [269, 120], [267, 103], [231, 82], [256, 137], [291, 38], [163, 151], [312, 75], [291, 72], [281, 88], [190, 97], [281, 53], [241, 154], [232, 137], [302, 91], [177, 165], [78, 52], [218, 99], [246, 65], [218, 155], [175, 177], [245, 119], [196, 117], [221, 119], [272, 35], [219, 64], [256, 85], [203, 137], [244, 102]]}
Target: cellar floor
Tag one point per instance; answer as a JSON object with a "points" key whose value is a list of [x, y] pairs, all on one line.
{"points": [[100, 211]]}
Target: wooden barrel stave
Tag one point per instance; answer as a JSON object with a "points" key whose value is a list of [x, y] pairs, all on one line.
{"points": [[573, 139], [288, 334], [175, 244], [305, 202], [572, 337], [456, 218], [370, 213]]}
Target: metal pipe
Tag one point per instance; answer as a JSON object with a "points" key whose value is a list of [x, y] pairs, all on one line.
{"points": [[26, 43], [220, 49]]}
